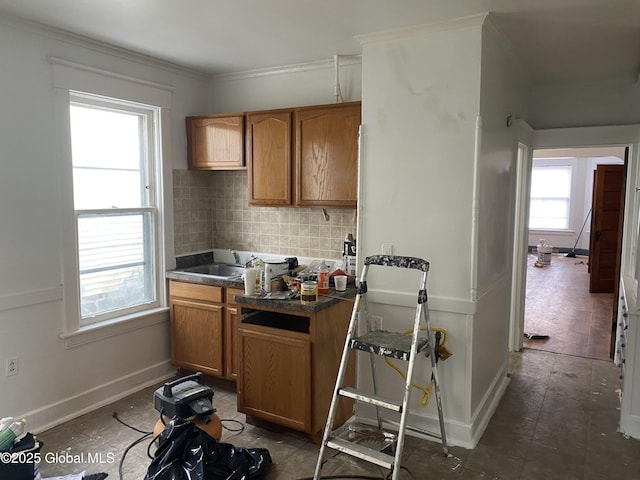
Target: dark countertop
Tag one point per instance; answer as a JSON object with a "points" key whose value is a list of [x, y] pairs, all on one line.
{"points": [[324, 301], [235, 282], [257, 301]]}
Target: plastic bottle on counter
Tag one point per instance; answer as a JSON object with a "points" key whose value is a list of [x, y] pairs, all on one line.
{"points": [[259, 266], [349, 255], [323, 279], [10, 433]]}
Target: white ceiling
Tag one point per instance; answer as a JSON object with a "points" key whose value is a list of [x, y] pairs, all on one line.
{"points": [[558, 41]]}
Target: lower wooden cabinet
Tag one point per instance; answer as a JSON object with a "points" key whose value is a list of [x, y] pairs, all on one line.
{"points": [[204, 328], [196, 336], [289, 362], [276, 380]]}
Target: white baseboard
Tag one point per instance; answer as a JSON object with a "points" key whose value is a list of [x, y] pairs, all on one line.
{"points": [[62, 411], [488, 406], [458, 433], [630, 426]]}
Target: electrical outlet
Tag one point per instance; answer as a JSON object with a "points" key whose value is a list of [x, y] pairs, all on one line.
{"points": [[376, 323], [11, 366], [387, 249]]}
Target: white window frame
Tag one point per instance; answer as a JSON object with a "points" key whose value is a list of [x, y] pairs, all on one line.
{"points": [[69, 77], [568, 164], [152, 141]]}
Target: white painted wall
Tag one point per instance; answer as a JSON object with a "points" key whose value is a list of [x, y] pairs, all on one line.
{"points": [[295, 86], [585, 104], [436, 187], [502, 95], [438, 176], [55, 382]]}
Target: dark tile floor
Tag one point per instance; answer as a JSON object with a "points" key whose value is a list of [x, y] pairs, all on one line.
{"points": [[557, 421], [558, 304]]}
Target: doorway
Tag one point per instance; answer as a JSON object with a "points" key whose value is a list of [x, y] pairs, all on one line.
{"points": [[591, 309], [561, 313]]}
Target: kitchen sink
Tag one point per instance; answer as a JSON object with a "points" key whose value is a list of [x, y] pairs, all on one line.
{"points": [[223, 270]]}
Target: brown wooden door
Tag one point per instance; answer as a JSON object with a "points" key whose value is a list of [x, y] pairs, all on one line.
{"points": [[327, 155], [269, 157], [608, 204]]}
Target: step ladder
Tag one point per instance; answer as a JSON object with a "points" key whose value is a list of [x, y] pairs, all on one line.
{"points": [[373, 443]]}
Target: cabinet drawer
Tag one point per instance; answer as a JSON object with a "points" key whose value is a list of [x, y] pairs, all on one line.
{"points": [[195, 291], [230, 295]]}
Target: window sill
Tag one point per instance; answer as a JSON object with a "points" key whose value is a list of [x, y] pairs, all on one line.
{"points": [[111, 328], [551, 231]]}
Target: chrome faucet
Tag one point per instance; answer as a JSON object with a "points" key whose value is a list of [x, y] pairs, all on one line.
{"points": [[236, 257]]}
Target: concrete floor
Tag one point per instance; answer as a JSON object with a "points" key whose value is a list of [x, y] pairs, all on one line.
{"points": [[557, 420]]}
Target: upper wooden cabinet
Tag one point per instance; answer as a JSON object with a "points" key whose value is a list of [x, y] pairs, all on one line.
{"points": [[304, 156], [269, 157], [216, 142], [326, 155]]}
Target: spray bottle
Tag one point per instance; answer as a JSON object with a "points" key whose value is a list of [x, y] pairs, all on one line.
{"points": [[10, 433]]}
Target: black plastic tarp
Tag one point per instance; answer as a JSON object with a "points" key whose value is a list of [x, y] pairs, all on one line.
{"points": [[187, 453]]}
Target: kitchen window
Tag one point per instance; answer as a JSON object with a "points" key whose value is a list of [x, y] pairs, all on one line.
{"points": [[114, 145], [550, 205]]}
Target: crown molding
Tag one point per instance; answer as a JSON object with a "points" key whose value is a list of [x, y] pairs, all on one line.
{"points": [[85, 68], [386, 36], [345, 60], [98, 46]]}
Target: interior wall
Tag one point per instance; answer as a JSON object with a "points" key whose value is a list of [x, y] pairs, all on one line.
{"points": [[502, 98], [420, 104], [294, 86], [585, 104], [54, 382]]}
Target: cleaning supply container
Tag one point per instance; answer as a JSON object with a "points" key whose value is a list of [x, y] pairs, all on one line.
{"points": [[309, 293], [544, 252]]}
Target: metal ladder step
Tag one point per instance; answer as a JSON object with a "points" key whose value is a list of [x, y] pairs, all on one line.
{"points": [[365, 453], [390, 344], [370, 398]]}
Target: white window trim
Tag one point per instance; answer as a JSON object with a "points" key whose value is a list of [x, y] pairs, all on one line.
{"points": [[69, 76]]}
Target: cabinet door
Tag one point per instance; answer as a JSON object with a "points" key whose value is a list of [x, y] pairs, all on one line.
{"points": [[269, 157], [327, 155], [274, 382], [196, 336], [215, 142]]}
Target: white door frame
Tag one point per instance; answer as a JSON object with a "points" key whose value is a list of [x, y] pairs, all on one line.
{"points": [[529, 139], [521, 235]]}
